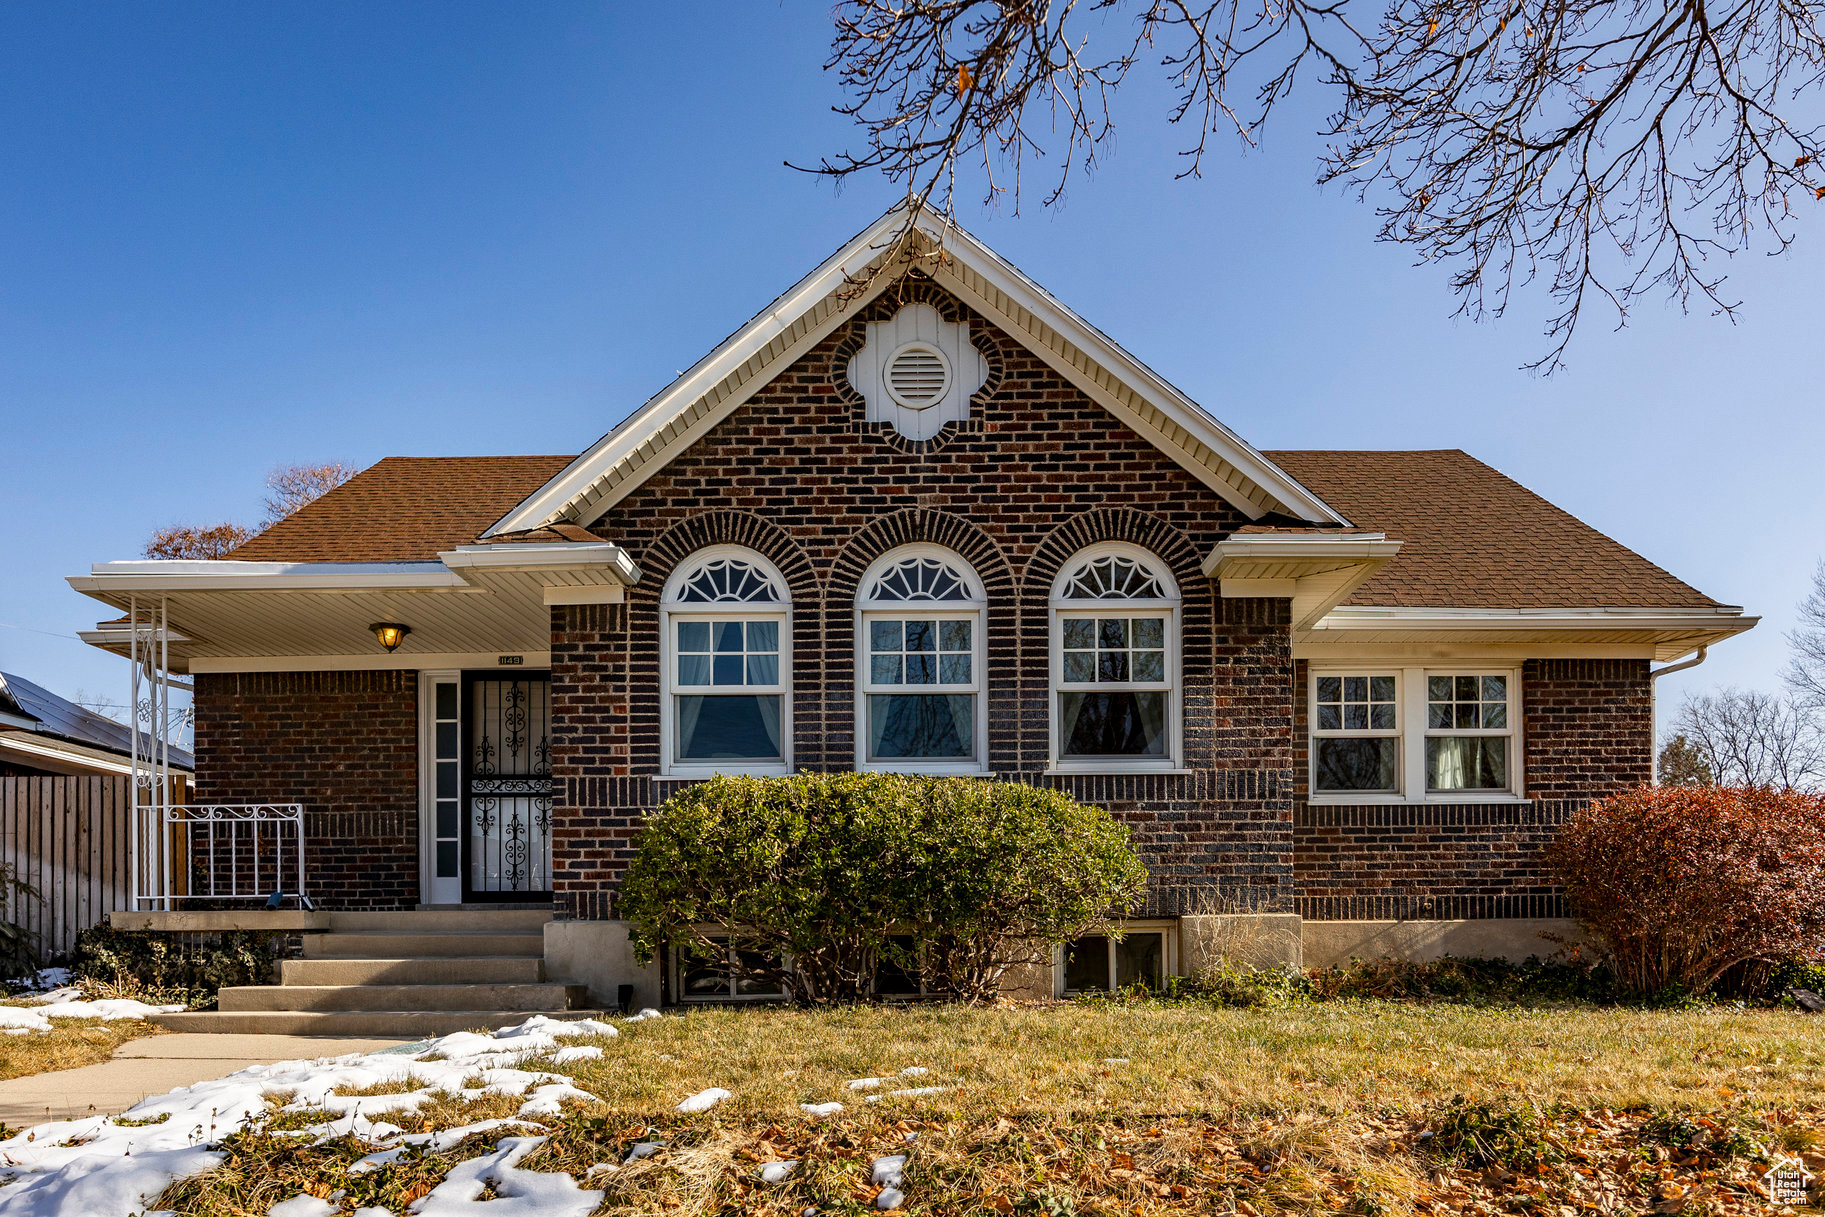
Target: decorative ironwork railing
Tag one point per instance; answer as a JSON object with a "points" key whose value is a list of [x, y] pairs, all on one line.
{"points": [[238, 851]]}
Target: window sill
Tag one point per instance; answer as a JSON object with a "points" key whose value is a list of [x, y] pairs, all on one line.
{"points": [[1395, 799], [929, 771], [1118, 770], [703, 775]]}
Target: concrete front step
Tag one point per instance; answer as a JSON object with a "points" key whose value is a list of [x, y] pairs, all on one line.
{"points": [[380, 944], [545, 997], [445, 920], [400, 1024], [444, 970]]}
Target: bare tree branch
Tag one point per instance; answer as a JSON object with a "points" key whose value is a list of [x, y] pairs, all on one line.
{"points": [[1752, 739], [1614, 147], [1805, 673]]}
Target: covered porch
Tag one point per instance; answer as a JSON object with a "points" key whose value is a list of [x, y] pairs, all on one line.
{"points": [[372, 736]]}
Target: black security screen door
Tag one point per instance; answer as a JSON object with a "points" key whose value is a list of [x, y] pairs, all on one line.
{"points": [[507, 787]]}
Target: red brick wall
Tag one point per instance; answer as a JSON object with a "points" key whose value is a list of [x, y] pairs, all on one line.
{"points": [[1587, 728], [1039, 472], [344, 744]]}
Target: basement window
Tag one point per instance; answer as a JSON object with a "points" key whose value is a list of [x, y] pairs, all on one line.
{"points": [[707, 974], [1101, 963]]}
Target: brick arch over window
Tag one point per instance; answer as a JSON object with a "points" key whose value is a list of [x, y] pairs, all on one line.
{"points": [[1002, 639], [916, 288], [698, 532], [1138, 528]]}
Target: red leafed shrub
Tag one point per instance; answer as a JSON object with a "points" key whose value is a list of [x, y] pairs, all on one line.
{"points": [[1682, 883]]}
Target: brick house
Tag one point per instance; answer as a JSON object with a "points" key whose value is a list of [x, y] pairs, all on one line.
{"points": [[938, 523]]}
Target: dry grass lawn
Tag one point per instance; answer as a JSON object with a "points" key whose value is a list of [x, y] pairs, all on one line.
{"points": [[1350, 1107], [69, 1044]]}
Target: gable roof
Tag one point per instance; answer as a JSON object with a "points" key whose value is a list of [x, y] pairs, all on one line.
{"points": [[1472, 537], [806, 313], [403, 509], [32, 709]]}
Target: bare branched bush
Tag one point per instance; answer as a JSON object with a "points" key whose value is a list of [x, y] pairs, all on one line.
{"points": [[1612, 147], [1806, 670], [191, 541]]}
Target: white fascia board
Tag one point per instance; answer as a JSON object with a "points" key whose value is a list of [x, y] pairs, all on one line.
{"points": [[1375, 617], [547, 504], [113, 581], [556, 556], [1208, 430], [1361, 547], [69, 753]]}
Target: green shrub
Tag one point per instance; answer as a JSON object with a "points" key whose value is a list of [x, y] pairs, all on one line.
{"points": [[808, 883], [1493, 1132], [1466, 980], [173, 967]]}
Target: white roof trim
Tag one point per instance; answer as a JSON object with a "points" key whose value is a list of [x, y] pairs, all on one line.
{"points": [[1375, 617], [122, 578], [557, 556], [805, 314]]}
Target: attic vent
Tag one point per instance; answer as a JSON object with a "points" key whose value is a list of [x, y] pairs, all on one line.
{"points": [[917, 376]]}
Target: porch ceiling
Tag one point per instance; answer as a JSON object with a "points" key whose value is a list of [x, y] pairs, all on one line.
{"points": [[480, 599]]}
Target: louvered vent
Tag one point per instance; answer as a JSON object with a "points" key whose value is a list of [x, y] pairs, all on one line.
{"points": [[917, 377]]}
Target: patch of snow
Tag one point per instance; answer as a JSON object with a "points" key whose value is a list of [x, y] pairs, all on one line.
{"points": [[820, 1109], [100, 1168], [375, 1161], [576, 1052], [888, 1170], [373, 1210], [66, 1003], [548, 1099], [890, 1198], [703, 1100], [303, 1205], [517, 1193], [644, 1149], [1115, 1060], [645, 1014], [865, 1083], [777, 1172], [914, 1071]]}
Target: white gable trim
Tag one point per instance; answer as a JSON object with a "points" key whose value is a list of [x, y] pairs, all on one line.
{"points": [[802, 317]]}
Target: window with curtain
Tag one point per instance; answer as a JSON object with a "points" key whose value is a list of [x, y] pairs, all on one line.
{"points": [[727, 651], [1115, 661], [920, 618], [1467, 731]]}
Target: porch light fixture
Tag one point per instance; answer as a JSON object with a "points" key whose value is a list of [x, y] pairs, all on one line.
{"points": [[390, 634]]}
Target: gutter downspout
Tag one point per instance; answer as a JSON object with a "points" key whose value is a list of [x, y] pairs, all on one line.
{"points": [[1654, 674]]}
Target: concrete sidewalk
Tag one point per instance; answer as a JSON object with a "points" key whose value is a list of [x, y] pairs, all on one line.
{"points": [[155, 1065]]}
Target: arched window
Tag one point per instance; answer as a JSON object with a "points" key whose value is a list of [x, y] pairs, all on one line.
{"points": [[726, 655], [1115, 662], [920, 707]]}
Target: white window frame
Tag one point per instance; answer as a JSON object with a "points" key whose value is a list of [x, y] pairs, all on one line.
{"points": [[449, 889], [678, 974], [1411, 729], [1169, 955], [974, 609], [671, 611], [1512, 733], [1402, 767], [1173, 686]]}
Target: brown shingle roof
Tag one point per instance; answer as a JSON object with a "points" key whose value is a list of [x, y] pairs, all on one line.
{"points": [[1472, 538], [404, 509]]}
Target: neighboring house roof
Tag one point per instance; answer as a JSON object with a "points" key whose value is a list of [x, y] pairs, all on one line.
{"points": [[403, 509], [1471, 537], [809, 311], [28, 709]]}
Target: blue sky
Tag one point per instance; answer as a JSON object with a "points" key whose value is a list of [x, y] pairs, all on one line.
{"points": [[234, 237]]}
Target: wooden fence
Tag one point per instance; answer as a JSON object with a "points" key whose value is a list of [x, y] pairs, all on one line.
{"points": [[68, 838]]}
